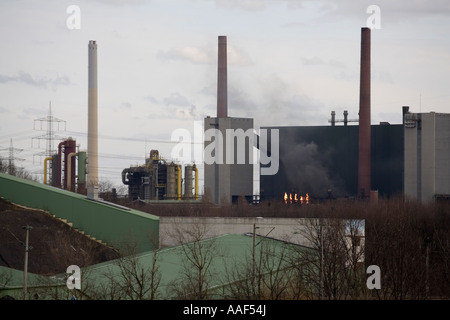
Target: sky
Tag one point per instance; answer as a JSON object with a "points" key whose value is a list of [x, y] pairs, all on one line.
{"points": [[290, 63]]}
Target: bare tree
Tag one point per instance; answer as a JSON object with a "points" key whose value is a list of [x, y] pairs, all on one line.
{"points": [[197, 253], [130, 277], [264, 273], [333, 268]]}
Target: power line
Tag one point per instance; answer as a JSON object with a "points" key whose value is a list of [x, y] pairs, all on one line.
{"points": [[11, 158], [50, 136]]}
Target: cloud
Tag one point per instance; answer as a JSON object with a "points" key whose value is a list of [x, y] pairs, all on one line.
{"points": [[151, 99], [192, 54], [176, 99], [40, 82], [187, 113], [122, 2], [247, 5], [318, 61], [205, 55]]}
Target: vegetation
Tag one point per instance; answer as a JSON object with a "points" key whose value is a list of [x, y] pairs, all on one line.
{"points": [[408, 241]]}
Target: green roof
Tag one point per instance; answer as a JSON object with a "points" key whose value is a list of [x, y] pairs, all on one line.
{"points": [[110, 223], [226, 253]]}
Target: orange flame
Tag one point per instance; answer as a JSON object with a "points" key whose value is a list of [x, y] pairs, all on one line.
{"points": [[296, 198]]}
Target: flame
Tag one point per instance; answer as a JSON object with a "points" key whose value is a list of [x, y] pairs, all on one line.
{"points": [[296, 198]]}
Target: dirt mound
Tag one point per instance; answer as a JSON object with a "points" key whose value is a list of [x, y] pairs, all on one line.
{"points": [[55, 244]]}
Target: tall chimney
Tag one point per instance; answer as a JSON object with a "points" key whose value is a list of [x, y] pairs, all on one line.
{"points": [[222, 104], [92, 152], [364, 183]]}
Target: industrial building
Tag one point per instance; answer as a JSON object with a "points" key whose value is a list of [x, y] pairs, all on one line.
{"points": [[67, 169], [158, 179], [322, 161], [427, 156], [226, 177]]}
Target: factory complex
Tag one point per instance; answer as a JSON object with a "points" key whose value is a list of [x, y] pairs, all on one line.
{"points": [[348, 160]]}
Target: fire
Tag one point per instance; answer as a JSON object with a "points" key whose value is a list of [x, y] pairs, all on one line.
{"points": [[296, 198]]}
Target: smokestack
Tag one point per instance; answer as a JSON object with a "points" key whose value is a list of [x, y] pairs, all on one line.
{"points": [[364, 183], [92, 152], [222, 104]]}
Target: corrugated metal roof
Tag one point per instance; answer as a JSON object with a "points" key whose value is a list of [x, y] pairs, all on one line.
{"points": [[226, 252]]}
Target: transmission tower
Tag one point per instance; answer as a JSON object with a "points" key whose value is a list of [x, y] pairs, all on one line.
{"points": [[51, 124], [10, 167]]}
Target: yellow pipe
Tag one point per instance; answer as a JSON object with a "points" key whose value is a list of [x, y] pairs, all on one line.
{"points": [[179, 183], [69, 169], [196, 181], [45, 168]]}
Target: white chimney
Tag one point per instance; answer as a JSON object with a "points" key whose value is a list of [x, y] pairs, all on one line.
{"points": [[92, 152]]}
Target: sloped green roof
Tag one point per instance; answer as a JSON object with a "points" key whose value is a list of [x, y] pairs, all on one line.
{"points": [[227, 251], [110, 223]]}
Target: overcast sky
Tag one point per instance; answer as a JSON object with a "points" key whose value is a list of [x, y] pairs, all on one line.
{"points": [[290, 62]]}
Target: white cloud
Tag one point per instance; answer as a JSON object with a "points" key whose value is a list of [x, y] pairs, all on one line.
{"points": [[248, 5], [192, 54], [176, 99], [205, 55], [36, 81]]}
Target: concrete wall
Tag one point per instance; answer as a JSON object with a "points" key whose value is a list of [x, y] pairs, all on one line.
{"points": [[442, 148], [293, 230], [279, 228], [427, 155], [229, 179]]}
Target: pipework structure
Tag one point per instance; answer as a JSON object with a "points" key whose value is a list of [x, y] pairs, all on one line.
{"points": [[159, 179], [68, 167]]}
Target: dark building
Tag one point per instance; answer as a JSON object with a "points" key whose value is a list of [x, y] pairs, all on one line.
{"points": [[322, 161]]}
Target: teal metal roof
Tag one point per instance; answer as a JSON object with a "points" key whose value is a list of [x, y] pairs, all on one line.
{"points": [[227, 251], [105, 221]]}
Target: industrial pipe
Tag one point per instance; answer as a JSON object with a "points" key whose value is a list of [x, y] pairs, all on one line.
{"points": [[81, 177], [92, 152], [364, 167], [69, 170], [222, 104], [196, 182], [58, 183], [45, 168], [179, 183]]}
